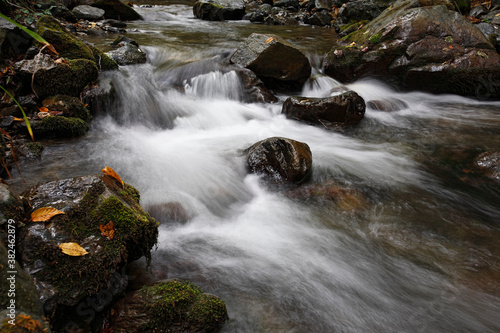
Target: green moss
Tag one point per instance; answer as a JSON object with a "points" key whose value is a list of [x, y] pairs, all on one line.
{"points": [[175, 301], [61, 127], [375, 39], [35, 148], [131, 192], [102, 61], [68, 46]]}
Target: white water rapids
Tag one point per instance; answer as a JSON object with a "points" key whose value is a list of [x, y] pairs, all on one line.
{"points": [[418, 252]]}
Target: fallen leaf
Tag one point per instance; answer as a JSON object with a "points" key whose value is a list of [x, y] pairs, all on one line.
{"points": [[72, 249], [108, 230], [450, 47], [43, 109], [110, 172], [56, 113], [269, 40], [44, 214], [42, 115], [18, 119]]}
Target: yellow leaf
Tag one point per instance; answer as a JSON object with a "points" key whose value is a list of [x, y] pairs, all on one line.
{"points": [[108, 230], [44, 214], [110, 172], [18, 119], [72, 249], [269, 40]]}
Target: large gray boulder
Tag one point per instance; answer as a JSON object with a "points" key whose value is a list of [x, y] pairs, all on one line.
{"points": [[281, 160], [330, 112], [271, 57], [219, 10], [418, 45], [127, 54], [85, 12]]}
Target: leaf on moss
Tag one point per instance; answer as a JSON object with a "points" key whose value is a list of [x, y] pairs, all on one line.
{"points": [[110, 172], [44, 214], [72, 249], [108, 230], [269, 40]]}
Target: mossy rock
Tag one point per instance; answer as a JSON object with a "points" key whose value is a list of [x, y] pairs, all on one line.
{"points": [[68, 46], [11, 207], [103, 62], [68, 79], [169, 306], [68, 105], [89, 203], [24, 323], [56, 127]]}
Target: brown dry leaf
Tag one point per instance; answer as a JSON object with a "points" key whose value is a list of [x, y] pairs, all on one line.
{"points": [[18, 119], [43, 109], [73, 249], [269, 40], [44, 214], [110, 172], [108, 230], [450, 47]]}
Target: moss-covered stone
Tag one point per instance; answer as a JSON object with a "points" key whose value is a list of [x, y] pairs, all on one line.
{"points": [[24, 323], [68, 105], [170, 306], [90, 203], [68, 46], [60, 127], [103, 62]]}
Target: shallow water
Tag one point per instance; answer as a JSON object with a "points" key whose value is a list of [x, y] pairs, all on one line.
{"points": [[399, 239]]}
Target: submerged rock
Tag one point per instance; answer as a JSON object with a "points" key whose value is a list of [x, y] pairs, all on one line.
{"points": [[387, 104], [170, 306], [488, 164], [271, 57], [280, 159], [419, 46], [219, 10], [67, 283], [346, 108]]}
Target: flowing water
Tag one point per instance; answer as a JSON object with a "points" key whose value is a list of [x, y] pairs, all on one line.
{"points": [[392, 233]]}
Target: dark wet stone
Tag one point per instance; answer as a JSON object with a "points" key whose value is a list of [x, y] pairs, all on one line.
{"points": [[281, 160]]}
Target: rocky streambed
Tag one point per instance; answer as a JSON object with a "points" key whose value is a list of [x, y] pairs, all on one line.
{"points": [[265, 166]]}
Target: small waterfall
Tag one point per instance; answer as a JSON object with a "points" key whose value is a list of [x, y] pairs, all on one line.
{"points": [[215, 85]]}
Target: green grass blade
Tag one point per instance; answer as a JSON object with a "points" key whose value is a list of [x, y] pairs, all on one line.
{"points": [[24, 114], [34, 35]]}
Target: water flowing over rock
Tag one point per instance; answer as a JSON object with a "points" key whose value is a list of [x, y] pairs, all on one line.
{"points": [[330, 112], [219, 10], [127, 54], [85, 12], [419, 46], [271, 57], [282, 160], [387, 104], [66, 282]]}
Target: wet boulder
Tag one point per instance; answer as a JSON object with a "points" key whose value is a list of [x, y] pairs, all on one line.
{"points": [[330, 112], [321, 18], [117, 10], [387, 104], [255, 90], [169, 306], [25, 315], [51, 78], [99, 96], [270, 57], [13, 41], [127, 54], [102, 216], [85, 12], [488, 164], [63, 13], [419, 45], [281, 160], [359, 10], [219, 10]]}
